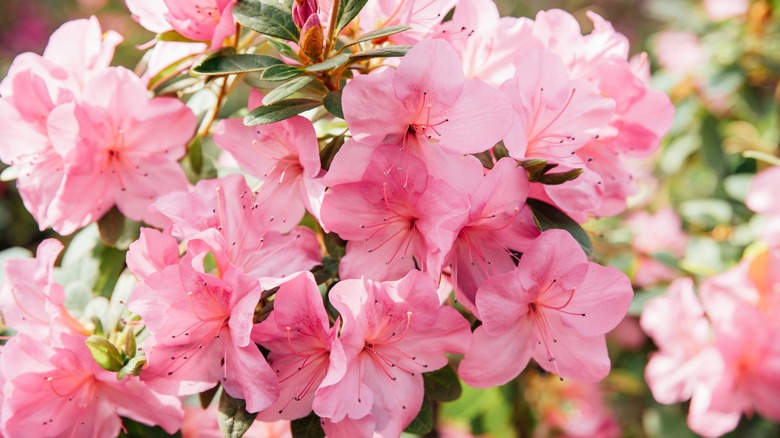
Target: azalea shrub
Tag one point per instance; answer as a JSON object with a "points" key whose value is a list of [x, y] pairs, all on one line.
{"points": [[354, 218]]}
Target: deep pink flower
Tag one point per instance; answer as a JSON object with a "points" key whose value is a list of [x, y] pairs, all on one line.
{"points": [[305, 351], [555, 306], [285, 157], [200, 327], [392, 333], [397, 217], [224, 213], [499, 222], [62, 391]]}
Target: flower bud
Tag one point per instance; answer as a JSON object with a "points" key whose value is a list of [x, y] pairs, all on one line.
{"points": [[302, 10], [312, 38], [105, 353]]}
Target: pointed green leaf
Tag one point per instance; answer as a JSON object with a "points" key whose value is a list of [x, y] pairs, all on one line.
{"points": [[379, 33], [548, 216], [332, 102], [329, 63], [382, 52], [278, 73], [232, 64], [283, 48], [105, 353], [234, 420], [348, 10], [442, 385], [287, 89], [307, 427], [268, 17], [278, 111], [423, 422]]}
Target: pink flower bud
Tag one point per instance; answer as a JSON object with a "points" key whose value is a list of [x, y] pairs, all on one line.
{"points": [[312, 38], [302, 10]]}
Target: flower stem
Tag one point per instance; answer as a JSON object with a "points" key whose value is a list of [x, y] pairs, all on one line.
{"points": [[329, 42]]}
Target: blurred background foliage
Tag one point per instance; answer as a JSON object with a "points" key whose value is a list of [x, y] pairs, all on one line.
{"points": [[722, 74]]}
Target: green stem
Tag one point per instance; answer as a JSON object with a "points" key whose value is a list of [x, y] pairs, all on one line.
{"points": [[334, 12]]}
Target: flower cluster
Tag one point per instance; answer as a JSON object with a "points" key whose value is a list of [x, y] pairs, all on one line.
{"points": [[320, 278]]}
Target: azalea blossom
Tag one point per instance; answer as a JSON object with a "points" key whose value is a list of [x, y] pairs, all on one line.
{"points": [[555, 307], [392, 333], [200, 20]]}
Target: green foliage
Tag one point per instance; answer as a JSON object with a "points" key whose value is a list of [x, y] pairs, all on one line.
{"points": [[548, 217], [267, 17], [279, 111], [235, 63], [307, 427], [234, 420], [423, 422]]}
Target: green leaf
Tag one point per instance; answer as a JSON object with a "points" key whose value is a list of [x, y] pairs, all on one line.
{"points": [[332, 103], [112, 263], [283, 48], [110, 226], [105, 353], [423, 422], [278, 73], [348, 10], [307, 427], [549, 216], [279, 111], [132, 367], [232, 64], [442, 385], [712, 146], [382, 52], [234, 420], [268, 17], [329, 63], [287, 89], [560, 177], [379, 33], [207, 396]]}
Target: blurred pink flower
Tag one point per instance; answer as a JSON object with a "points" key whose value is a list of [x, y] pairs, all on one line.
{"points": [[656, 233], [725, 9], [679, 52], [202, 423], [762, 198]]}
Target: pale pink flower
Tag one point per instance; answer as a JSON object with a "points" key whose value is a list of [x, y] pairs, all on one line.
{"points": [[397, 217], [198, 20], [725, 9], [200, 326], [305, 351], [152, 252], [224, 213], [429, 109], [577, 410], [679, 52], [31, 302], [498, 224], [119, 147], [61, 391], [422, 17], [554, 116], [555, 306], [488, 45], [285, 157], [678, 326], [392, 333]]}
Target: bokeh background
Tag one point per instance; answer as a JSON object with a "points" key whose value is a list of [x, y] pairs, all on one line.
{"points": [[719, 60]]}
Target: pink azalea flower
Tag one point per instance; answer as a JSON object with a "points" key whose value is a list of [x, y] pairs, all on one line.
{"points": [[199, 20], [305, 350], [285, 157], [31, 302], [224, 213], [762, 199], [396, 218], [422, 17], [725, 9], [429, 109], [200, 326], [679, 52], [62, 391], [392, 333], [555, 306], [498, 224], [554, 116], [487, 44], [108, 155], [678, 326], [750, 376], [577, 410], [152, 252]]}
